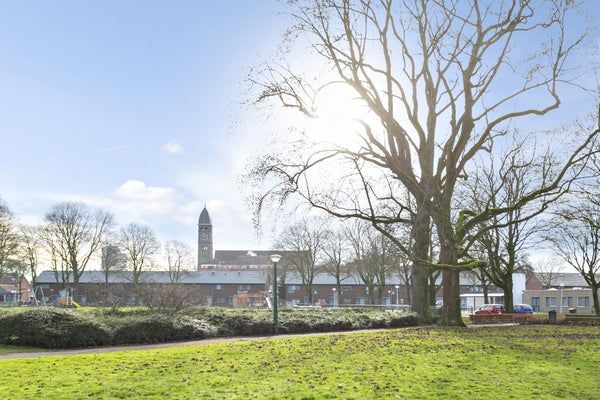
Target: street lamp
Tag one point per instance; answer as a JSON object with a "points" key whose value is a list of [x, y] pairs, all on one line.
{"points": [[397, 298], [562, 285], [334, 298], [390, 297], [275, 259]]}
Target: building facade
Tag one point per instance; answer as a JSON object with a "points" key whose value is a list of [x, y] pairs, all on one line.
{"points": [[578, 300]]}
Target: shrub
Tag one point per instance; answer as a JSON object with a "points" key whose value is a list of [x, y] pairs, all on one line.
{"points": [[159, 328], [52, 329]]}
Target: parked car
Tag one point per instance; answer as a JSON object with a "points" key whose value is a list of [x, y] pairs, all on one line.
{"points": [[523, 309], [489, 309]]}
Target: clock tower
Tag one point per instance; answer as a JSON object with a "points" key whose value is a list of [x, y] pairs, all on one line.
{"points": [[205, 240]]}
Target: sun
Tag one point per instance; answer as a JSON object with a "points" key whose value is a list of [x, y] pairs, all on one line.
{"points": [[339, 113]]}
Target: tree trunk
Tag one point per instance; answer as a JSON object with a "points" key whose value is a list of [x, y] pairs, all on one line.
{"points": [[451, 313], [595, 299], [508, 294], [340, 296], [420, 273], [432, 288], [486, 291]]}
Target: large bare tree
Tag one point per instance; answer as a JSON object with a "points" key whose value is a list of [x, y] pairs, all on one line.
{"points": [[74, 232], [442, 82]]}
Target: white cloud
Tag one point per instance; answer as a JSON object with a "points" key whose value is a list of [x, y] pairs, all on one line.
{"points": [[173, 147]]}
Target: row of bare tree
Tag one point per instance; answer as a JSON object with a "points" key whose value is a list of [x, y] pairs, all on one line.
{"points": [[72, 235]]}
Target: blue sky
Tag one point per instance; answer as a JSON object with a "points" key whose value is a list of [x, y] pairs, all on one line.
{"points": [[132, 106], [129, 106]]}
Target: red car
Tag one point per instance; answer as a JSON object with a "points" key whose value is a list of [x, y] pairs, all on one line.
{"points": [[490, 309]]}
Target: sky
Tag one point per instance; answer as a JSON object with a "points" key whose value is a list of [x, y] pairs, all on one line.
{"points": [[132, 106]]}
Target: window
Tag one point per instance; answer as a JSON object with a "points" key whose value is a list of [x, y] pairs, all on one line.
{"points": [[218, 287], [550, 301], [243, 287], [535, 301], [583, 301], [360, 300], [463, 302], [230, 301], [567, 301], [292, 288]]}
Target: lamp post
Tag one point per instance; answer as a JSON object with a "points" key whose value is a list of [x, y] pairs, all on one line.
{"points": [[390, 297], [562, 285], [275, 259], [397, 297], [334, 297]]}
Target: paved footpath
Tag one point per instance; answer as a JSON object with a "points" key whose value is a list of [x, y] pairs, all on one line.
{"points": [[110, 349]]}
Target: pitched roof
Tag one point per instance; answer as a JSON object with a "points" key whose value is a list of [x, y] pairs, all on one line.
{"points": [[250, 257], [191, 277], [570, 279], [5, 288]]}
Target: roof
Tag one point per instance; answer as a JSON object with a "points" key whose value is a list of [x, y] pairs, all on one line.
{"points": [[204, 218], [4, 288], [328, 279], [570, 279], [250, 257], [191, 277]]}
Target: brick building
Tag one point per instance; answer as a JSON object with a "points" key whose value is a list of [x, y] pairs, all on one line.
{"points": [[14, 289]]}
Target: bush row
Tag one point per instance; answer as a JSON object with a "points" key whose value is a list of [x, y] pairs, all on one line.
{"points": [[61, 328]]}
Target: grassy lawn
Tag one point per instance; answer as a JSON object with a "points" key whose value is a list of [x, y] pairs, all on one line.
{"points": [[540, 362], [15, 349]]}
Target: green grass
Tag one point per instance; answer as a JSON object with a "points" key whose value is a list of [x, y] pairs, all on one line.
{"points": [[541, 362], [16, 349]]}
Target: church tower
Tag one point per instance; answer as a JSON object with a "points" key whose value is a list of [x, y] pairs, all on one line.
{"points": [[205, 239]]}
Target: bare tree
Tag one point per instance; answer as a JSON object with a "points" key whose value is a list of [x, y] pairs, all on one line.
{"points": [[305, 241], [547, 271], [76, 232], [576, 240], [336, 252], [442, 81], [112, 259], [139, 245], [175, 294], [358, 235], [9, 238], [31, 242], [504, 239], [179, 259]]}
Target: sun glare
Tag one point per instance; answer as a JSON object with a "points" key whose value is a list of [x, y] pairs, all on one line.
{"points": [[339, 113]]}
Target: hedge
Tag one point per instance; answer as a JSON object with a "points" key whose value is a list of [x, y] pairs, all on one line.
{"points": [[61, 328], [52, 328]]}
